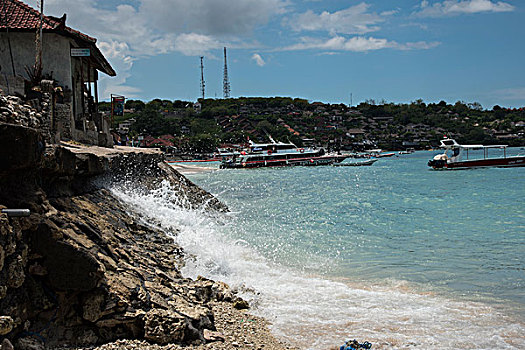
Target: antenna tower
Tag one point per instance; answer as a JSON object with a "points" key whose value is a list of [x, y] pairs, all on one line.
{"points": [[225, 82], [202, 78]]}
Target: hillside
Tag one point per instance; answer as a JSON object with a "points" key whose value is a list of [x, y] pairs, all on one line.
{"points": [[202, 126]]}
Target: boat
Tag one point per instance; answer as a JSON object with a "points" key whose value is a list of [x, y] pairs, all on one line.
{"points": [[457, 156], [383, 155], [362, 163], [378, 153], [280, 154], [407, 151]]}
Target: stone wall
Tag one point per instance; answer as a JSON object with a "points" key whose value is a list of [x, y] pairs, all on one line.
{"points": [[63, 115]]}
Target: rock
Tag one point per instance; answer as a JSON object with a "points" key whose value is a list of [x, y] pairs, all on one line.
{"points": [[212, 336], [6, 345], [37, 269], [241, 304], [29, 343], [92, 308], [2, 257], [6, 325], [163, 327], [15, 273], [81, 269]]}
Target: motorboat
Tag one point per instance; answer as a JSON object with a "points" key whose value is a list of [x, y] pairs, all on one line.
{"points": [[379, 153], [361, 163], [407, 151], [280, 154], [456, 156]]}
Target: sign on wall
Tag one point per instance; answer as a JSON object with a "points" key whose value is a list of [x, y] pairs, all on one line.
{"points": [[79, 52]]}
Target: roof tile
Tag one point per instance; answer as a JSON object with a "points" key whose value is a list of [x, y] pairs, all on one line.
{"points": [[14, 14]]}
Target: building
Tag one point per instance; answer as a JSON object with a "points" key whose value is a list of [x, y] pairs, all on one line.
{"points": [[70, 64]]}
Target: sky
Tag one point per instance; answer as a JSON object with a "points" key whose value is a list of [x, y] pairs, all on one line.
{"points": [[334, 51]]}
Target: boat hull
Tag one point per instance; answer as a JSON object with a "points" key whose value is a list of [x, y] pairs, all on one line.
{"points": [[304, 161], [481, 163], [364, 163]]}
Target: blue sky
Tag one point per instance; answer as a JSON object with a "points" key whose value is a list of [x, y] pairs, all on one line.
{"points": [[321, 50]]}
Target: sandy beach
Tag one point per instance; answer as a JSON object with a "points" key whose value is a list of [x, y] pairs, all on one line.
{"points": [[188, 169]]}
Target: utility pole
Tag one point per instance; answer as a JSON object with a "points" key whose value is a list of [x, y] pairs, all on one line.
{"points": [[38, 58], [202, 78], [225, 82]]}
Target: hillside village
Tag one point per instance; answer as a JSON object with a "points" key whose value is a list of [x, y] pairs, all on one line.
{"points": [[182, 127]]}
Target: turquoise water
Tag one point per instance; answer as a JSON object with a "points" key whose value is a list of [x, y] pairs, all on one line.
{"points": [[461, 231], [393, 253]]}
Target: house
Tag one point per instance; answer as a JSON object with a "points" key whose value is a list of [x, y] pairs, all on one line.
{"points": [[125, 126], [70, 63]]}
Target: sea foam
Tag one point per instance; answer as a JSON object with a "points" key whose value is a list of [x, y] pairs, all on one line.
{"points": [[313, 312]]}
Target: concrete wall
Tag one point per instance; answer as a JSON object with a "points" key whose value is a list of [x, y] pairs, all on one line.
{"points": [[55, 55], [68, 119]]}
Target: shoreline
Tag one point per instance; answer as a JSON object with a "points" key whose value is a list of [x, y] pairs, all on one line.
{"points": [[186, 169], [107, 275]]}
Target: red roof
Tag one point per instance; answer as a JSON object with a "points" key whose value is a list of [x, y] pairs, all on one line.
{"points": [[159, 142], [167, 137], [17, 15]]}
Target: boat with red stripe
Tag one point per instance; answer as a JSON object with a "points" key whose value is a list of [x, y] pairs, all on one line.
{"points": [[458, 156], [280, 154]]}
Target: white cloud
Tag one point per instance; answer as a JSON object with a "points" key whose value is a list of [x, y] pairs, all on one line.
{"points": [[221, 18], [154, 27], [353, 20], [511, 94], [258, 59], [193, 44], [356, 44], [457, 7]]}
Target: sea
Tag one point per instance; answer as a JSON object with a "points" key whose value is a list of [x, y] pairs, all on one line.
{"points": [[395, 253]]}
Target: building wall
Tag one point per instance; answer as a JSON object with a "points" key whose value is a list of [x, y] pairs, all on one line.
{"points": [[55, 55], [68, 120]]}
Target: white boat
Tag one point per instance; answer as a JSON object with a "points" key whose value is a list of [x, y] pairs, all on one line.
{"points": [[458, 156], [280, 154], [379, 153], [407, 151], [361, 163]]}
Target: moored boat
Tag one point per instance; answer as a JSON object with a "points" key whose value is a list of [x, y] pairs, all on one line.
{"points": [[457, 156], [361, 163], [280, 154], [379, 153], [407, 151]]}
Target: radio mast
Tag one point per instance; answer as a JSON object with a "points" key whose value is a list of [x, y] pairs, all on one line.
{"points": [[202, 78], [225, 82]]}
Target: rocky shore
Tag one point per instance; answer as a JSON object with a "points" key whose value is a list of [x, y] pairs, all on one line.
{"points": [[81, 271]]}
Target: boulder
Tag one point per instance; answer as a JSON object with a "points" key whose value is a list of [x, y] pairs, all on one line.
{"points": [[164, 327], [6, 325]]}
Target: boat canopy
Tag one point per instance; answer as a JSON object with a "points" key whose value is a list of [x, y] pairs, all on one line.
{"points": [[451, 143], [271, 146]]}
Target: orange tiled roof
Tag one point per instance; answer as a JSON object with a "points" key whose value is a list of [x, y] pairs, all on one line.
{"points": [[17, 16], [14, 14]]}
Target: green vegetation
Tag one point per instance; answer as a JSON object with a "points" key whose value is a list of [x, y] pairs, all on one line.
{"points": [[212, 122]]}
